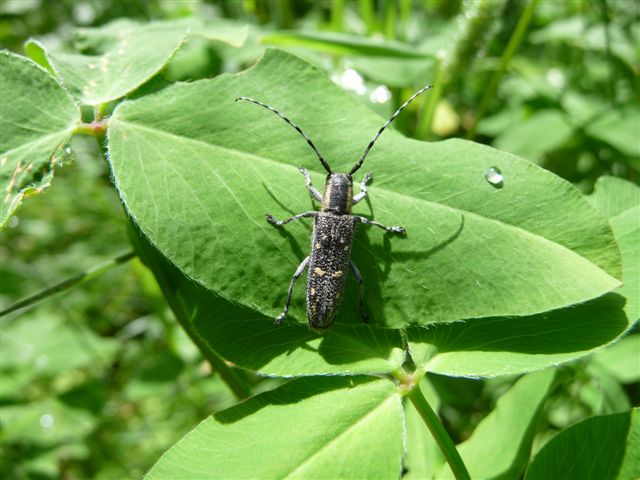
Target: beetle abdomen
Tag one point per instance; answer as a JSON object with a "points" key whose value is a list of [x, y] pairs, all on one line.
{"points": [[330, 250]]}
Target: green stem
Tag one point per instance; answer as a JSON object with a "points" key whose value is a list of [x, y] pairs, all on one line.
{"points": [[427, 112], [512, 46], [410, 386], [367, 13], [439, 434], [337, 15], [96, 128], [69, 282]]}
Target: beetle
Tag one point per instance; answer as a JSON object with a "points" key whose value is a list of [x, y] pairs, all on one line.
{"points": [[333, 230]]}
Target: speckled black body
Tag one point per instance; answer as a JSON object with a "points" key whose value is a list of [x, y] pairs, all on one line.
{"points": [[328, 265], [333, 230]]}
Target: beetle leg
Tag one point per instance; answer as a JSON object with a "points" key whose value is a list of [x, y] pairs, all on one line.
{"points": [[272, 220], [301, 268], [315, 194], [363, 188], [358, 276], [366, 221]]}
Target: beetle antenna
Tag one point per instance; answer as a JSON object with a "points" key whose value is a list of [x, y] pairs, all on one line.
{"points": [[393, 117], [322, 160]]}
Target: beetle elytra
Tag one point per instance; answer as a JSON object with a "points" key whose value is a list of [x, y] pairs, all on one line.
{"points": [[333, 231]]}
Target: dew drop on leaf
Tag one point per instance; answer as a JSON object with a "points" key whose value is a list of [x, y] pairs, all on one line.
{"points": [[494, 177]]}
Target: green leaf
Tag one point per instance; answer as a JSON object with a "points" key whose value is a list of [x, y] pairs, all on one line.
{"points": [[612, 196], [618, 200], [600, 447], [503, 346], [44, 344], [322, 427], [250, 340], [36, 121], [620, 360], [618, 128], [544, 131], [112, 61], [45, 422], [500, 445], [343, 44], [198, 182]]}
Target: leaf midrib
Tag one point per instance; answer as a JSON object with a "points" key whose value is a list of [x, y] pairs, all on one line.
{"points": [[340, 434]]}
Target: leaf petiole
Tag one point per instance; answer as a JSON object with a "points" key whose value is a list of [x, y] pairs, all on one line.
{"points": [[410, 386]]}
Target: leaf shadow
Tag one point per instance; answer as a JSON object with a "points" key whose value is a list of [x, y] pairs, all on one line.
{"points": [[295, 391], [577, 328]]}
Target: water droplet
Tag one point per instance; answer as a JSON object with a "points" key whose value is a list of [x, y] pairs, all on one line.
{"points": [[67, 150], [46, 420], [494, 177]]}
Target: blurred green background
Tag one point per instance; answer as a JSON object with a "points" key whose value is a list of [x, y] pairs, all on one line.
{"points": [[99, 381]]}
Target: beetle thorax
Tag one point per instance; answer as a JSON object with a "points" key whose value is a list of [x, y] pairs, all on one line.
{"points": [[338, 194]]}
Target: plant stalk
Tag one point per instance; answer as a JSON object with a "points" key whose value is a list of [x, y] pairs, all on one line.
{"points": [[69, 282], [512, 46], [440, 434]]}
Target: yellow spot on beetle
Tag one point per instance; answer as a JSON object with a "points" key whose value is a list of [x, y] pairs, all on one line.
{"points": [[318, 271], [317, 245], [313, 291], [337, 274]]}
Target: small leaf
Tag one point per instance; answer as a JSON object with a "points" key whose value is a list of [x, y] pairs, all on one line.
{"points": [[618, 200], [544, 131], [618, 128], [37, 118], [199, 185], [607, 446], [620, 360], [613, 195], [322, 427], [499, 446], [122, 56]]}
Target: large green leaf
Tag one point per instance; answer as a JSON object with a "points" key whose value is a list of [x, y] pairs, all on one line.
{"points": [[599, 447], [500, 445], [36, 120], [250, 340], [323, 427], [113, 60], [198, 181]]}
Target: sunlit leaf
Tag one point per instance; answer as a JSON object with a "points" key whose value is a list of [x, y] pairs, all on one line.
{"points": [[599, 447], [36, 121], [309, 428], [500, 445], [198, 183]]}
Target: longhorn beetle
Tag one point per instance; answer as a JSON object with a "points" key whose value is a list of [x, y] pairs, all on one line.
{"points": [[333, 230]]}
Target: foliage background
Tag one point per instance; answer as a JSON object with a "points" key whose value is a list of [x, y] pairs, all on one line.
{"points": [[98, 382]]}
